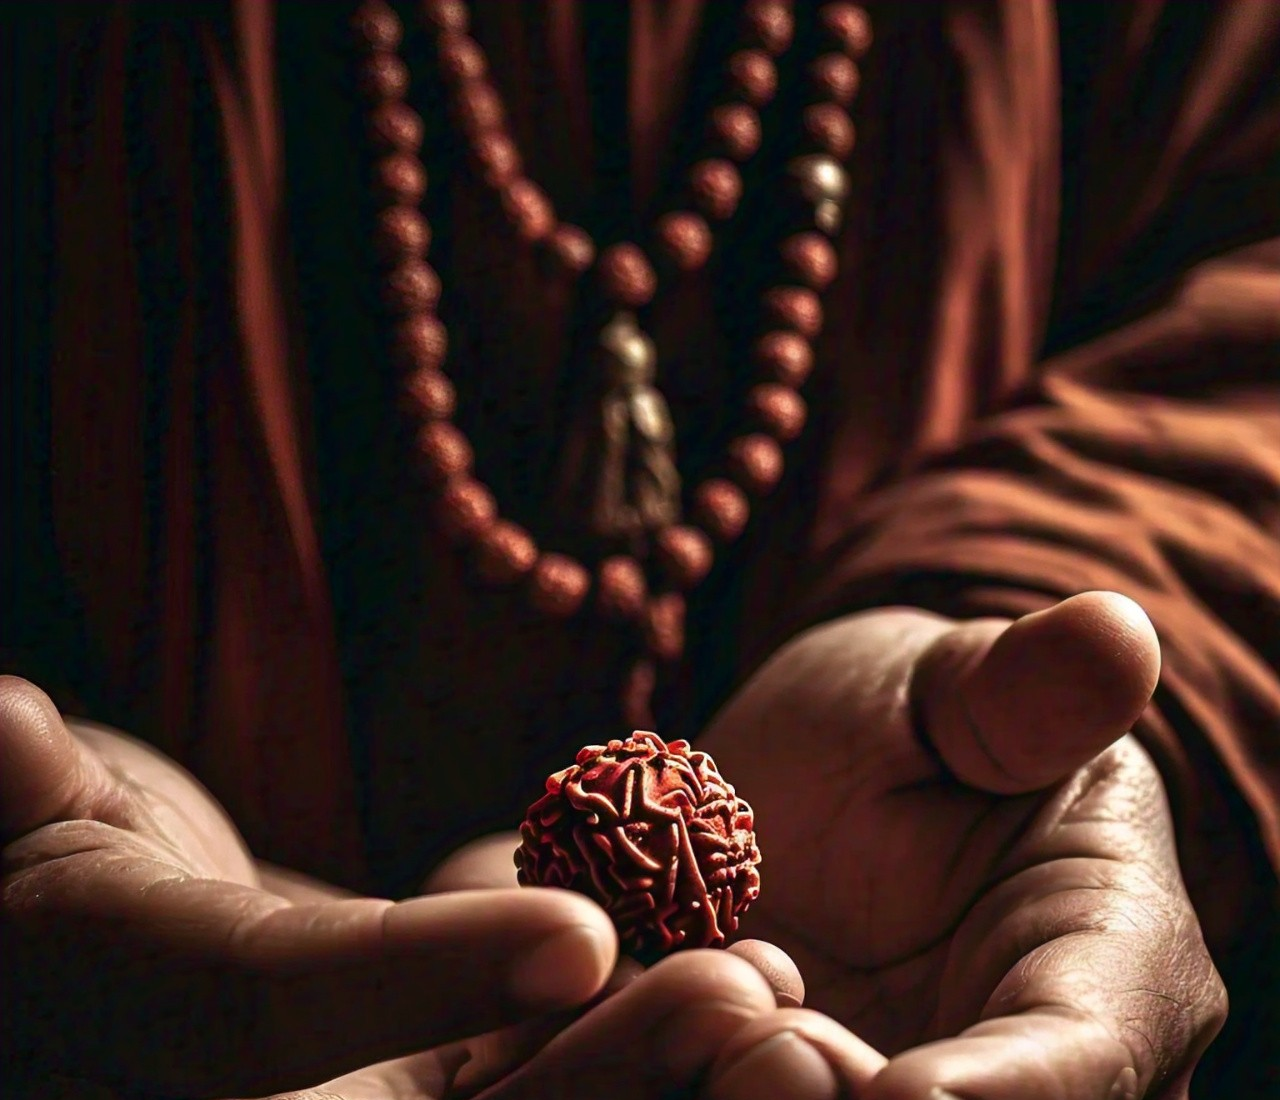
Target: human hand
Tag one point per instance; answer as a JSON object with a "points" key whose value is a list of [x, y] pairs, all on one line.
{"points": [[971, 862], [147, 958]]}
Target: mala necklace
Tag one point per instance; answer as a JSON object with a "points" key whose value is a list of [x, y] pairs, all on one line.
{"points": [[620, 468]]}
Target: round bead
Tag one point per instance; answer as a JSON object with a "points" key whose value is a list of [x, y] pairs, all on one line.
{"points": [[779, 409], [809, 258], [497, 158], [769, 24], [685, 239], [849, 25], [685, 553], [528, 209], [446, 16], [757, 461], [443, 452], [428, 394], [735, 128], [626, 276], [794, 307], [376, 26], [478, 106], [411, 287], [722, 508], [558, 585], [717, 187], [784, 357], [836, 77], [383, 76], [401, 232], [754, 76], [400, 177], [664, 626], [421, 343], [466, 510], [395, 127], [572, 249], [504, 553], [460, 57], [620, 587], [829, 127]]}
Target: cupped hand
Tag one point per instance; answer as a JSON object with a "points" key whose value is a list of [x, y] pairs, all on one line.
{"points": [[971, 861]]}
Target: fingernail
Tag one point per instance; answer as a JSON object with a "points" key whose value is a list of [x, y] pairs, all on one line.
{"points": [[780, 1066], [563, 970]]}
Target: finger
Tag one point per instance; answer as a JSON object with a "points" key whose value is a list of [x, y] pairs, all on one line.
{"points": [[778, 968], [484, 864], [222, 990], [659, 1035], [1014, 708], [774, 1056], [45, 774]]}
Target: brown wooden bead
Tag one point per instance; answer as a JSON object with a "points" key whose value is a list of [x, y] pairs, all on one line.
{"points": [[460, 57], [620, 587], [756, 460], [411, 287], [421, 343], [779, 409], [376, 26], [383, 76], [626, 276], [504, 553], [664, 626], [835, 77], [754, 76], [717, 188], [809, 258], [395, 127], [685, 239], [443, 452], [685, 553], [558, 585], [784, 357], [849, 25], [466, 510], [829, 127], [429, 395], [735, 128], [571, 248], [401, 178], [446, 16], [794, 307], [769, 24], [497, 158], [401, 232], [722, 508], [478, 106], [529, 210]]}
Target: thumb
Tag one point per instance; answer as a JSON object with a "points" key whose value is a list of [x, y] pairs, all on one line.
{"points": [[1012, 708]]}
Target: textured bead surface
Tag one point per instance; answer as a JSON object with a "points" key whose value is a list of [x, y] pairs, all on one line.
{"points": [[809, 258], [376, 26], [443, 451], [829, 127], [836, 77], [504, 553], [400, 178], [383, 76], [717, 187], [571, 248], [401, 232], [757, 461], [778, 409], [685, 240], [497, 159], [769, 24], [395, 127], [446, 15], [794, 307], [626, 276], [558, 585], [686, 554], [478, 106], [754, 76], [735, 128], [430, 395], [784, 357], [466, 510], [411, 286], [722, 508], [664, 626], [529, 210], [461, 58], [620, 587], [420, 342], [849, 25]]}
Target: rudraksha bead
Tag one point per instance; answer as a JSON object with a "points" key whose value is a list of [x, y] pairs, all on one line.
{"points": [[685, 239], [784, 357], [420, 342], [504, 553], [558, 585], [722, 508], [430, 395], [478, 106], [829, 127], [717, 187], [685, 553], [836, 77], [571, 248], [376, 26], [400, 178], [466, 510], [447, 16], [395, 127], [529, 210], [769, 24], [383, 76], [401, 232], [443, 451], [664, 626], [497, 159], [809, 258], [411, 287], [735, 128], [460, 57], [794, 307], [779, 409], [621, 587], [849, 25], [626, 276], [757, 461]]}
